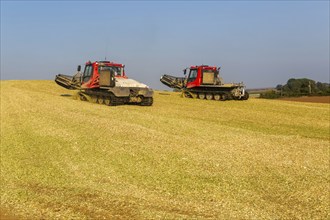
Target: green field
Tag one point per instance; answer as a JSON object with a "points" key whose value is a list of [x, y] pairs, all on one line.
{"points": [[63, 158]]}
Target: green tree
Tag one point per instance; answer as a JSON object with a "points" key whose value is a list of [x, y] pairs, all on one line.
{"points": [[298, 87]]}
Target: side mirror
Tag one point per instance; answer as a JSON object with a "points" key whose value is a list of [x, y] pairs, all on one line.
{"points": [[78, 68], [184, 71]]}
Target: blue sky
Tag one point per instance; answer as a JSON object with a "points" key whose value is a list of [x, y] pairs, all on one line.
{"points": [[262, 43]]}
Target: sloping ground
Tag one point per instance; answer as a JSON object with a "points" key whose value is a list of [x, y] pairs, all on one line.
{"points": [[315, 99], [5, 215], [181, 158]]}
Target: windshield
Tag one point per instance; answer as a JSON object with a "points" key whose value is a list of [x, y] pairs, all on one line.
{"points": [[192, 75], [116, 69]]}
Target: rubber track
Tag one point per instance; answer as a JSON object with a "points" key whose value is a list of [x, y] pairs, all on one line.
{"points": [[147, 101]]}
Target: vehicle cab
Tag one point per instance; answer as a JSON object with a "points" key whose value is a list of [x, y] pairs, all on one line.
{"points": [[202, 76], [93, 70]]}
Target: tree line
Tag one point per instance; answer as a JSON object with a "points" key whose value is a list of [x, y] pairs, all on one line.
{"points": [[298, 87]]}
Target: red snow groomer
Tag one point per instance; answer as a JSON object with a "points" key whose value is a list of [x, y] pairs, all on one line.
{"points": [[204, 82], [105, 82]]}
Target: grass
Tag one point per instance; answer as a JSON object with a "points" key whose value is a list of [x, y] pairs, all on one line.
{"points": [[179, 159]]}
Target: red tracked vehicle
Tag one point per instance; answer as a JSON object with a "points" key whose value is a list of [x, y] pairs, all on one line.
{"points": [[204, 82], [105, 82]]}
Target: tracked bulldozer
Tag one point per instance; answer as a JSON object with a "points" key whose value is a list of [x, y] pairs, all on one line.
{"points": [[105, 82], [204, 82]]}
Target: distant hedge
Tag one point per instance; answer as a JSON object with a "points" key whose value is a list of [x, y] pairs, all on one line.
{"points": [[271, 94], [298, 87]]}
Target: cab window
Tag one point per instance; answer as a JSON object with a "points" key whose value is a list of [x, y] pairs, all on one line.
{"points": [[88, 73], [192, 75], [118, 71]]}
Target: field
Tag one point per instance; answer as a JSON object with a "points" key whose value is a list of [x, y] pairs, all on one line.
{"points": [[63, 158], [315, 99]]}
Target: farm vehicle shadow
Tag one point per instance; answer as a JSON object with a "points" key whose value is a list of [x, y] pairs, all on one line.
{"points": [[66, 95]]}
